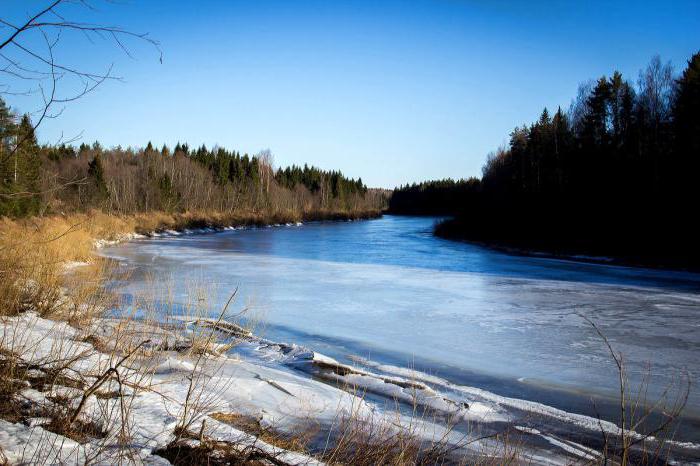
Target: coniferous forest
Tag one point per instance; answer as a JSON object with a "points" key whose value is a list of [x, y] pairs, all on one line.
{"points": [[615, 175]]}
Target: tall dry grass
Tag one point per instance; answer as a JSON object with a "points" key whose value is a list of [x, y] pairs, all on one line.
{"points": [[33, 254]]}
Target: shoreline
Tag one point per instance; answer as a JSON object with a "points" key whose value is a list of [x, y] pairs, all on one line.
{"points": [[269, 395], [203, 225], [222, 221], [581, 257], [281, 397], [575, 258], [377, 384]]}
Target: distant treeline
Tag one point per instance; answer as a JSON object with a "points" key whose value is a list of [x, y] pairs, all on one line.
{"points": [[439, 197], [62, 178], [618, 174], [328, 184]]}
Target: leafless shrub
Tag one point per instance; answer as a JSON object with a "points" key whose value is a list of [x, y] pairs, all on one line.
{"points": [[646, 426], [199, 401], [33, 68]]}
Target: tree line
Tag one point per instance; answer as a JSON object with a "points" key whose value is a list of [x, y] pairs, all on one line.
{"points": [[437, 197], [38, 179], [616, 174], [19, 164], [328, 184]]}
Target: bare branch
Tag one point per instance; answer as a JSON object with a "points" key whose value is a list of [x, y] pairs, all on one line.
{"points": [[19, 30]]}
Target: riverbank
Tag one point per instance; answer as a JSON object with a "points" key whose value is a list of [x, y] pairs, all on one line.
{"points": [[140, 391], [72, 237], [457, 229], [76, 386], [233, 408], [264, 400], [179, 394], [35, 250]]}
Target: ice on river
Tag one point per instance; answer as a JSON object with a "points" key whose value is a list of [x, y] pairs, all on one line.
{"points": [[388, 292]]}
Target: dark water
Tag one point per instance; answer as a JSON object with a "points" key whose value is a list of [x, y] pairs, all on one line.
{"points": [[389, 291]]}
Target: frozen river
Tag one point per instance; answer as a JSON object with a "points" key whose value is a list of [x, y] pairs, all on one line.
{"points": [[388, 294]]}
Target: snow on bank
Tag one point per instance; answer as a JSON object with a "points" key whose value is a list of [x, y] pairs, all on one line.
{"points": [[102, 243], [458, 404], [276, 395], [156, 387], [159, 389], [409, 390], [124, 237], [482, 399], [438, 396], [72, 265]]}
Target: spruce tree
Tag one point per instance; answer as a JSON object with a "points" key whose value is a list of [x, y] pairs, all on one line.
{"points": [[20, 172], [7, 127], [7, 134], [596, 121], [686, 123], [96, 173]]}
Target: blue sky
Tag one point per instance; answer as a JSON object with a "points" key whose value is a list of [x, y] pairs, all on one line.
{"points": [[394, 92]]}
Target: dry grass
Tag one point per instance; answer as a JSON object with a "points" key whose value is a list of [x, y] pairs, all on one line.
{"points": [[13, 376], [417, 436], [298, 441], [33, 277], [32, 257], [190, 450]]}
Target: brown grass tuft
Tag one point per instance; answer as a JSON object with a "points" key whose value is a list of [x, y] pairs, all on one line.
{"points": [[297, 441]]}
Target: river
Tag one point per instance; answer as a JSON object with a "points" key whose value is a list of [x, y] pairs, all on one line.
{"points": [[387, 294]]}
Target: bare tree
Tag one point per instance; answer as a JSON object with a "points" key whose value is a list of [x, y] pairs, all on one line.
{"points": [[29, 57], [578, 110], [266, 161], [656, 85]]}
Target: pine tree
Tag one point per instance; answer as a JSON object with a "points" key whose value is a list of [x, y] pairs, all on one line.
{"points": [[96, 172], [7, 127], [8, 130], [20, 172], [686, 123], [596, 121], [563, 144]]}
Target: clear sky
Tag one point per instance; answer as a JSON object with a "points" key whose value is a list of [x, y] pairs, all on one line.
{"points": [[392, 91]]}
